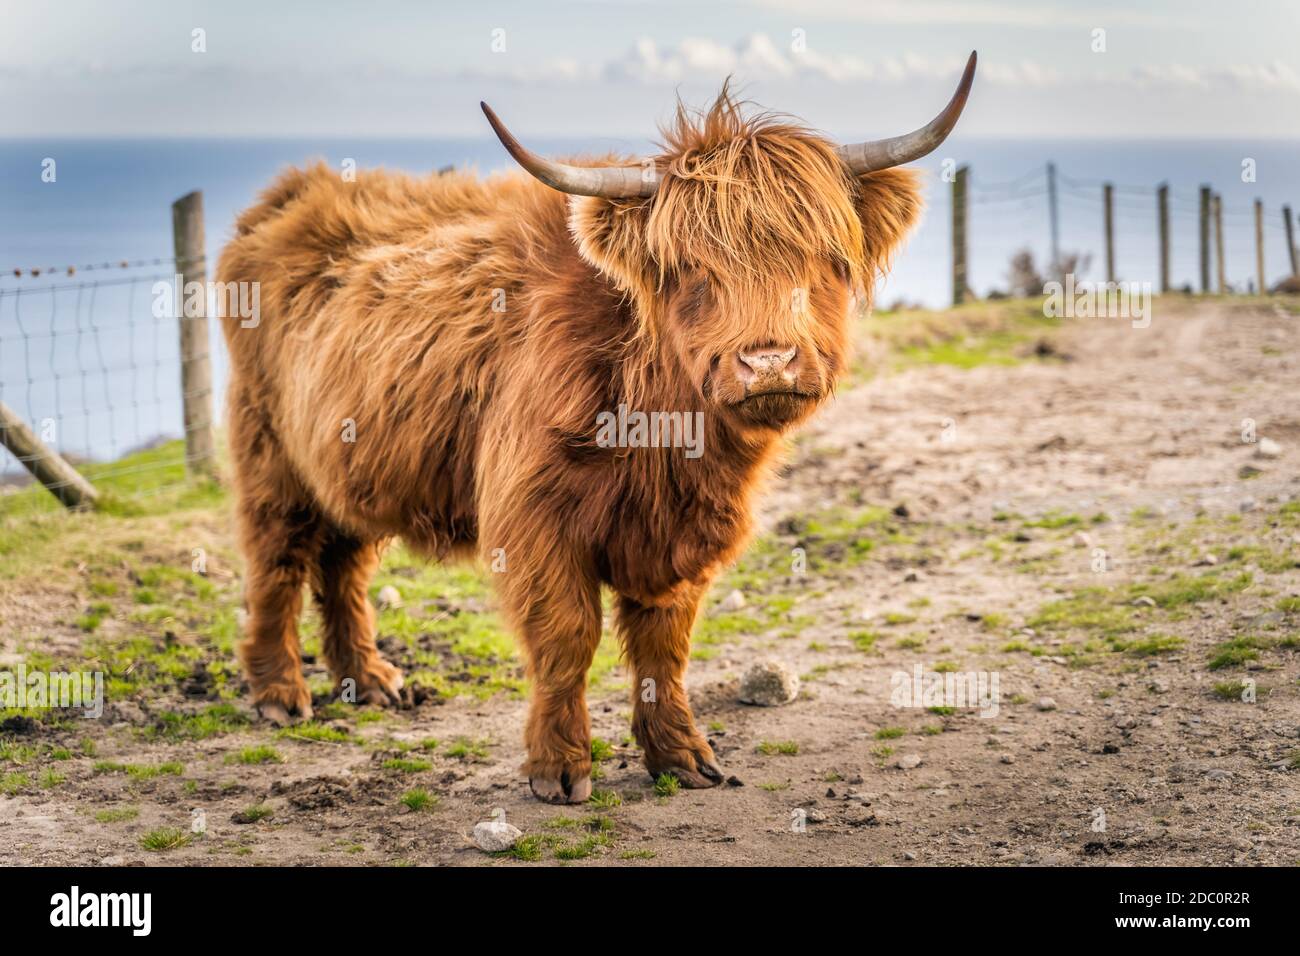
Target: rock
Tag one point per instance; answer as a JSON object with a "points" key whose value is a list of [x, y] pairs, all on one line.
{"points": [[1158, 687], [388, 598], [1248, 504], [1045, 703], [911, 577], [909, 855], [908, 762], [113, 861], [1144, 601], [813, 815], [1207, 560], [769, 684], [1126, 723], [1082, 539], [732, 602], [495, 836], [1008, 758], [1267, 448], [1218, 775]]}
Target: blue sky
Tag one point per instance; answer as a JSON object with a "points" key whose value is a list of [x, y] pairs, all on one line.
{"points": [[1195, 68]]}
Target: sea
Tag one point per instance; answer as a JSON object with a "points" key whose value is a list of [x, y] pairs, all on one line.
{"points": [[87, 363]]}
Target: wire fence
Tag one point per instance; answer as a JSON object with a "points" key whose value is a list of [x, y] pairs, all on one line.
{"points": [[90, 366], [1003, 217]]}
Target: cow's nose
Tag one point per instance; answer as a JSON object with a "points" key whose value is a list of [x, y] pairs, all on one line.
{"points": [[768, 366]]}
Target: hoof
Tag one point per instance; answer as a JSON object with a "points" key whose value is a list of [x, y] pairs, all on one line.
{"points": [[696, 768], [560, 791], [379, 684]]}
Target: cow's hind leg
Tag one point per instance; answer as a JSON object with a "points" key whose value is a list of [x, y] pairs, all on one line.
{"points": [[340, 579], [658, 645], [279, 545]]}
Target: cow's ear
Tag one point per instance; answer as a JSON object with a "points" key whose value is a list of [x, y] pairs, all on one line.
{"points": [[611, 235], [889, 205]]}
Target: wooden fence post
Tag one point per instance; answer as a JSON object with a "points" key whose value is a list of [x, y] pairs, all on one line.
{"points": [[1262, 288], [959, 235], [1290, 240], [196, 368], [1221, 267], [1108, 200], [1205, 239], [61, 479], [1162, 207]]}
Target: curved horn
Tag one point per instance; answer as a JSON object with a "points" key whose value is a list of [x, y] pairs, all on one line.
{"points": [[610, 182], [884, 153]]}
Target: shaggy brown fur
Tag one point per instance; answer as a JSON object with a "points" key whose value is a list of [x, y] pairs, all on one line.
{"points": [[468, 333]]}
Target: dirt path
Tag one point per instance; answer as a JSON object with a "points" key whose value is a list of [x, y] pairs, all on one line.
{"points": [[1089, 529]]}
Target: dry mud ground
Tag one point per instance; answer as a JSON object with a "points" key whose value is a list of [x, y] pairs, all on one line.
{"points": [[1089, 526]]}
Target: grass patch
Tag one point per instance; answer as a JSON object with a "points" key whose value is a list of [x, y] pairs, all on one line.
{"points": [[1236, 652], [256, 755], [406, 765], [314, 732], [117, 814], [666, 785], [418, 800], [166, 838]]}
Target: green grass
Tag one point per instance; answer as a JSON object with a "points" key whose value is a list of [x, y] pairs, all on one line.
{"points": [[256, 755], [166, 838], [315, 733], [468, 750], [406, 765], [1230, 690], [889, 733], [1151, 646], [117, 814], [527, 848], [770, 748], [254, 813], [666, 785], [172, 768], [605, 799], [418, 800], [1236, 652]]}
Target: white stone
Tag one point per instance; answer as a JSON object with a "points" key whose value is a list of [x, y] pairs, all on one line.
{"points": [[495, 836]]}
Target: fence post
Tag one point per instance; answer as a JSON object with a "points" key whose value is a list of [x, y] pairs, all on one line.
{"points": [[1205, 239], [1108, 200], [196, 368], [1262, 288], [1290, 240], [1162, 206], [61, 479], [959, 235], [1221, 270], [1055, 220]]}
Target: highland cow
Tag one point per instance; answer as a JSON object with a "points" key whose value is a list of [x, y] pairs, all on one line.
{"points": [[434, 357]]}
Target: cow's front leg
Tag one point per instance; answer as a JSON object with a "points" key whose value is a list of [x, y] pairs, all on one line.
{"points": [[555, 607], [658, 642]]}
